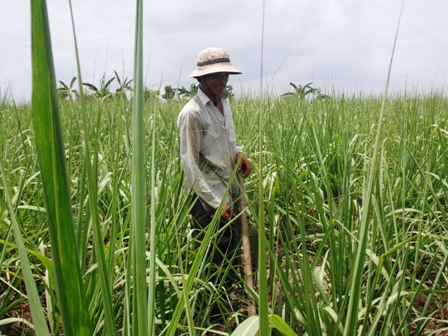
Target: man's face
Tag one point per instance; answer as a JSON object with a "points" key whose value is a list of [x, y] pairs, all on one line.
{"points": [[217, 82]]}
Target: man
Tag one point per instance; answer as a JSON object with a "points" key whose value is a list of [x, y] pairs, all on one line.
{"points": [[208, 147]]}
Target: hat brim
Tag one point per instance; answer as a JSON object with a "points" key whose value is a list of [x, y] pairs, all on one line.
{"points": [[206, 70]]}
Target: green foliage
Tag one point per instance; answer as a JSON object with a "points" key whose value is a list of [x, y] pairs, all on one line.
{"points": [[103, 90], [188, 93], [312, 204], [141, 289], [124, 86], [169, 92], [67, 92], [56, 191], [348, 199], [229, 91], [183, 92], [302, 91], [150, 95]]}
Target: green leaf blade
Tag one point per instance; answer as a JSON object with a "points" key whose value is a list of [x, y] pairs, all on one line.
{"points": [[47, 127]]}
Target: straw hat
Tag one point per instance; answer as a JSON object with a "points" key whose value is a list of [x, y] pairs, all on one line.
{"points": [[213, 60]]}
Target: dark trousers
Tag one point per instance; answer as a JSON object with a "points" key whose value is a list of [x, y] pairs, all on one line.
{"points": [[227, 250]]}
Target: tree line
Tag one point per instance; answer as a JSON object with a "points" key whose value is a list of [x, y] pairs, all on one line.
{"points": [[123, 90]]}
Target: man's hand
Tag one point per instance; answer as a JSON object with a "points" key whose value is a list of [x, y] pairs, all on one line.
{"points": [[226, 212], [244, 166]]}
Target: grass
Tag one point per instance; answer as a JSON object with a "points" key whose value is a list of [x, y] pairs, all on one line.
{"points": [[316, 163], [349, 219]]}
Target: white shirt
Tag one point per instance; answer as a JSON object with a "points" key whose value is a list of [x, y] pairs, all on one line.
{"points": [[208, 149]]}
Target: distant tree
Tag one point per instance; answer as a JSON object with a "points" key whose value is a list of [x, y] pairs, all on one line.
{"points": [[321, 96], [188, 93], [303, 91], [169, 92], [149, 94], [193, 90], [67, 92], [124, 86], [229, 90], [103, 90]]}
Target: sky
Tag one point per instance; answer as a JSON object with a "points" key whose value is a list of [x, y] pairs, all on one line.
{"points": [[340, 46]]}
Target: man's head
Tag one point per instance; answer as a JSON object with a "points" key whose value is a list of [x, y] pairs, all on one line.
{"points": [[214, 83]]}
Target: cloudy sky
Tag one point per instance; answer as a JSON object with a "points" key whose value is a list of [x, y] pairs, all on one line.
{"points": [[338, 45]]}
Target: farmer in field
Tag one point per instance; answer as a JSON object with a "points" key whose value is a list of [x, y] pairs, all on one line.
{"points": [[209, 152]]}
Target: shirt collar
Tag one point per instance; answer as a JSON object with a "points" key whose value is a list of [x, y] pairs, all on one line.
{"points": [[205, 99]]}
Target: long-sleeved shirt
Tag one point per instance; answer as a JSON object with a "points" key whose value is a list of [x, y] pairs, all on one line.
{"points": [[208, 149]]}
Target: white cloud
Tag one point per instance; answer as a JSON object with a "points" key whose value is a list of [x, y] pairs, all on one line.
{"points": [[343, 44]]}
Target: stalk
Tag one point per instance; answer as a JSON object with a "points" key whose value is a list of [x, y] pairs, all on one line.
{"points": [[263, 287], [138, 182], [153, 228], [247, 259]]}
